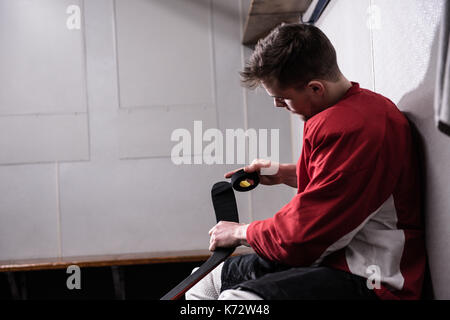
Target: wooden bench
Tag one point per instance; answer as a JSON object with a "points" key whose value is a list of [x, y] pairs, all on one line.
{"points": [[13, 268]]}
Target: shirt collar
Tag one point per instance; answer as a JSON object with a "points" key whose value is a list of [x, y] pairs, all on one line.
{"points": [[355, 88]]}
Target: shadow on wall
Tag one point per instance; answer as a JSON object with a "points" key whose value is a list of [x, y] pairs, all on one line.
{"points": [[418, 106], [419, 143]]}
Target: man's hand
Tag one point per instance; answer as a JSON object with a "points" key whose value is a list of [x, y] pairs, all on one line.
{"points": [[228, 234], [286, 173]]}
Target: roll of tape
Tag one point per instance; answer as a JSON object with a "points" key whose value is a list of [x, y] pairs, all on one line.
{"points": [[244, 181]]}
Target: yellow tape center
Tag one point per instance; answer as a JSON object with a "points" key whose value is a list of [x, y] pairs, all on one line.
{"points": [[244, 184]]}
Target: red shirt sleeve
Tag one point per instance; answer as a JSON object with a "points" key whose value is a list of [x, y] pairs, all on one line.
{"points": [[343, 178]]}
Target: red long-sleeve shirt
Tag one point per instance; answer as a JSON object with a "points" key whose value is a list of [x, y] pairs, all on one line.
{"points": [[357, 207]]}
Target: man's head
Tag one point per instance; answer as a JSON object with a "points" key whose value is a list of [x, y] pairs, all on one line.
{"points": [[295, 63]]}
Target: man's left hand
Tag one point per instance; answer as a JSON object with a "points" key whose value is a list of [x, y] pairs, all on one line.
{"points": [[228, 234]]}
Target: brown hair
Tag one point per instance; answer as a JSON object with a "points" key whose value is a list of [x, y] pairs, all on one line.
{"points": [[292, 55]]}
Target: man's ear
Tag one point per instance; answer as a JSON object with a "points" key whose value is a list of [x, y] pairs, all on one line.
{"points": [[316, 87]]}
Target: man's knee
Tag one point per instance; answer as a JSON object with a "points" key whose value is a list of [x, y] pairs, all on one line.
{"points": [[208, 288]]}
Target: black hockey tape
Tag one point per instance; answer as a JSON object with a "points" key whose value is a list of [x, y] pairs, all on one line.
{"points": [[244, 181], [224, 202]]}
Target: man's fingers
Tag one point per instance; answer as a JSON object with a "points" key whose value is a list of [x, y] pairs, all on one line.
{"points": [[256, 165], [212, 239], [212, 244]]}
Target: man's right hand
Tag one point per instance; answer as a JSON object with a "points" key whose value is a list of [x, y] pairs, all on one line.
{"points": [[286, 173]]}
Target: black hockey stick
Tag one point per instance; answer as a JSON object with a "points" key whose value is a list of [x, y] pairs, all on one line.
{"points": [[225, 208]]}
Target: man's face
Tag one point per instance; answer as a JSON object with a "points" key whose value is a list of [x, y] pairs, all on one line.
{"points": [[297, 101]]}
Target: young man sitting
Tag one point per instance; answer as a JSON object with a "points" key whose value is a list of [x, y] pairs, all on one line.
{"points": [[353, 230]]}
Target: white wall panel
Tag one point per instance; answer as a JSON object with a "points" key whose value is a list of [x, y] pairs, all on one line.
{"points": [[228, 62], [165, 52], [345, 23], [147, 132], [403, 46], [28, 212], [102, 79], [46, 138], [41, 60]]}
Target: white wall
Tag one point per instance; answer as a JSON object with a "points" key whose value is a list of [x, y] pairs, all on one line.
{"points": [[86, 117], [397, 58]]}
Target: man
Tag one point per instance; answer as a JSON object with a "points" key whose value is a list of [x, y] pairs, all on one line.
{"points": [[353, 230]]}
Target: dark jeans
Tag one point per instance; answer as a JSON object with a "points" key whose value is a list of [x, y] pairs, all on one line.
{"points": [[273, 281]]}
